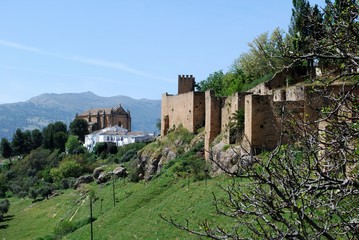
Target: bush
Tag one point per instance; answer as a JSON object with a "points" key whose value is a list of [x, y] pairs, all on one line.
{"points": [[70, 168], [113, 149], [128, 156], [133, 171], [133, 146], [100, 148], [67, 183], [66, 227], [45, 191], [33, 193], [4, 205], [63, 228], [47, 237], [190, 165]]}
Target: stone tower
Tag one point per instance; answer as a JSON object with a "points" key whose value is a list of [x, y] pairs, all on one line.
{"points": [[185, 83]]}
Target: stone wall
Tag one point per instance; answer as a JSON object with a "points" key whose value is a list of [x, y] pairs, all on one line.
{"points": [[260, 89], [265, 107], [187, 109], [231, 105], [213, 120], [261, 127]]}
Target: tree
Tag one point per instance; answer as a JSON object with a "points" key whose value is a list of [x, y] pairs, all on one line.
{"points": [[73, 145], [60, 127], [308, 188], [6, 149], [21, 142], [60, 139], [213, 82], [79, 127], [37, 138], [260, 60], [49, 135], [18, 142], [300, 23], [333, 42], [27, 141]]}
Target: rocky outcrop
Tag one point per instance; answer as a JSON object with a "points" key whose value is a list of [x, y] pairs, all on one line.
{"points": [[229, 157], [97, 171], [155, 155], [104, 177], [82, 180], [120, 172], [151, 160]]}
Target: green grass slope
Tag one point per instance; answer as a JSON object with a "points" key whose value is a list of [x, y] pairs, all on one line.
{"points": [[135, 215]]}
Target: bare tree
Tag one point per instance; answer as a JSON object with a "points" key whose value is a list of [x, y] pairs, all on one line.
{"points": [[308, 189], [305, 190]]}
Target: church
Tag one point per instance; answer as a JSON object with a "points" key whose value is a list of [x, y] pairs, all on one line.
{"points": [[100, 118]]}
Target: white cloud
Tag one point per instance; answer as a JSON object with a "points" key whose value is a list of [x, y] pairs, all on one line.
{"points": [[21, 47], [85, 60]]}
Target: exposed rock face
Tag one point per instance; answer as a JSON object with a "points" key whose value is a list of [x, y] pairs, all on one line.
{"points": [[231, 158], [82, 180], [151, 163], [154, 157], [104, 177], [97, 171], [120, 172]]}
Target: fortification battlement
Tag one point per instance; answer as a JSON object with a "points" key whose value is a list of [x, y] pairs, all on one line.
{"points": [[185, 83]]}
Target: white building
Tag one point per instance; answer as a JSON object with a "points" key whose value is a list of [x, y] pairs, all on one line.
{"points": [[116, 135]]}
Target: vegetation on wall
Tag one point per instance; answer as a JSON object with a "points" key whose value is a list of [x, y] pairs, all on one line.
{"points": [[307, 189]]}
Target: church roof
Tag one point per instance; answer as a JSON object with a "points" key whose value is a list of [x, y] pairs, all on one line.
{"points": [[118, 110]]}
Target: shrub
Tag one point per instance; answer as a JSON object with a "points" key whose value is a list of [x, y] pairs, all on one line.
{"points": [[190, 165], [124, 149], [100, 148], [67, 183], [66, 227], [33, 193], [133, 170], [4, 206], [113, 149], [45, 190], [63, 228], [70, 168], [128, 156]]}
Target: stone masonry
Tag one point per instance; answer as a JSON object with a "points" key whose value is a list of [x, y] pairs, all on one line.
{"points": [[265, 107]]}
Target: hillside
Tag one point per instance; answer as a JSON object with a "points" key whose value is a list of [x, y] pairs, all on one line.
{"points": [[135, 216], [39, 111]]}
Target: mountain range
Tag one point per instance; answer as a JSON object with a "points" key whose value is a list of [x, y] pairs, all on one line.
{"points": [[41, 110]]}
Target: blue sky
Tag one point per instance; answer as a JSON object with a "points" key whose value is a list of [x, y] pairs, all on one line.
{"points": [[135, 48]]}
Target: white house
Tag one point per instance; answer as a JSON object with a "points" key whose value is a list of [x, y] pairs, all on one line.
{"points": [[116, 135]]}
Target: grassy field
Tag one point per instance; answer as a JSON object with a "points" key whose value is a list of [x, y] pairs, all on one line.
{"points": [[134, 216]]}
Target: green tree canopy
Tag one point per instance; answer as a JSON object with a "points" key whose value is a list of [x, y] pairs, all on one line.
{"points": [[21, 142], [37, 138], [49, 135], [73, 145], [6, 149], [79, 127], [60, 139]]}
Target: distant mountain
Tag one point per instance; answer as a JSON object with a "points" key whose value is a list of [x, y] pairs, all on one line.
{"points": [[39, 111]]}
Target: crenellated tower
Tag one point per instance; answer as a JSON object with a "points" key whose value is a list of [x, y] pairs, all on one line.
{"points": [[185, 83]]}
